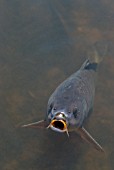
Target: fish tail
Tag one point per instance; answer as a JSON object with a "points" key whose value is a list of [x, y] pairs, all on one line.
{"points": [[96, 54]]}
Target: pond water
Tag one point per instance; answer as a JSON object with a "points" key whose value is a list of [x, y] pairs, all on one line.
{"points": [[42, 42]]}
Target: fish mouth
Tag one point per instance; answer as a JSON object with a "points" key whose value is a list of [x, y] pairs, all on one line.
{"points": [[58, 126]]}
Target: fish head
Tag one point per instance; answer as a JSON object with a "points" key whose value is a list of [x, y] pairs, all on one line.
{"points": [[65, 121], [62, 117], [59, 122]]}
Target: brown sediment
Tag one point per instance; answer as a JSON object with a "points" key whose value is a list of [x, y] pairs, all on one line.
{"points": [[94, 161]]}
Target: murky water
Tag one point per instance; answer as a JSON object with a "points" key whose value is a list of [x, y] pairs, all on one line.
{"points": [[41, 43]]}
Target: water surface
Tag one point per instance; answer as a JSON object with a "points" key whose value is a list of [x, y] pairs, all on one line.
{"points": [[41, 43]]}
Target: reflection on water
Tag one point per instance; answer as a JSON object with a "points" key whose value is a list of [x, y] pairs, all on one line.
{"points": [[42, 43]]}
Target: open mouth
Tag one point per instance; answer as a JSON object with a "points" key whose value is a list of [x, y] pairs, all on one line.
{"points": [[58, 125]]}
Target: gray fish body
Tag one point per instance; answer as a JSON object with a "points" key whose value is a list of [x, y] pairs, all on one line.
{"points": [[72, 100], [74, 96]]}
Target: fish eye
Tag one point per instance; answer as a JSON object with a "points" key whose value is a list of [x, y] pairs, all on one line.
{"points": [[75, 112], [54, 108], [50, 108]]}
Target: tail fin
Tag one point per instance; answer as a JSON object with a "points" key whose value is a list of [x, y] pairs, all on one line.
{"points": [[97, 52]]}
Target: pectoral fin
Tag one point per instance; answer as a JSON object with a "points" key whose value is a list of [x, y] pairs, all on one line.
{"points": [[88, 138], [39, 124]]}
